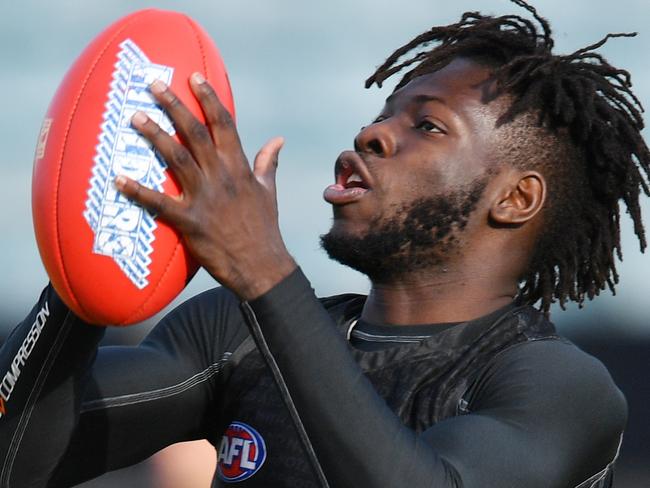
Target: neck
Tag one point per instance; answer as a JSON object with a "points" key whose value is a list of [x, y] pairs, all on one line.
{"points": [[440, 296]]}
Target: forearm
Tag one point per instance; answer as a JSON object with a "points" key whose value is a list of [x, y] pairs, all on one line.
{"points": [[43, 364]]}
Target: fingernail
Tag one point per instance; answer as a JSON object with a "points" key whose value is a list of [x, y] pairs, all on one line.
{"points": [[157, 87], [139, 118], [120, 181], [198, 78]]}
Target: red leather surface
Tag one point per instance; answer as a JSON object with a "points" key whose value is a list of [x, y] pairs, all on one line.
{"points": [[93, 285]]}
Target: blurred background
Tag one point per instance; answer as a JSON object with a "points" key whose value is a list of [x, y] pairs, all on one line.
{"points": [[297, 69]]}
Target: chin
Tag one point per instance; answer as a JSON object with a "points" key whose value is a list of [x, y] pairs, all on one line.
{"points": [[347, 228], [376, 250]]}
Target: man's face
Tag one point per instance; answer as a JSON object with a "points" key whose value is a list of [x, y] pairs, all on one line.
{"points": [[403, 196]]}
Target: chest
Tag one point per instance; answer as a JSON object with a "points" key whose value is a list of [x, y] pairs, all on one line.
{"points": [[257, 443]]}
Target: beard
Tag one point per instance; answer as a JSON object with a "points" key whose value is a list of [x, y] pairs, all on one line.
{"points": [[420, 235]]}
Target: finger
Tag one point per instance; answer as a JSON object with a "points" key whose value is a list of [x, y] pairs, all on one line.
{"points": [[192, 131], [266, 163], [157, 203], [220, 122], [177, 157]]}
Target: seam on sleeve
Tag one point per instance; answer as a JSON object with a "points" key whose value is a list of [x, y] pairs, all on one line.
{"points": [[593, 481], [246, 347], [30, 404], [157, 394]]}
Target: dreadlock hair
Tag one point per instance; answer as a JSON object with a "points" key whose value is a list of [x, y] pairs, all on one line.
{"points": [[588, 107]]}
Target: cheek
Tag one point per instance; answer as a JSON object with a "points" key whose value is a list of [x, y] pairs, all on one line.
{"points": [[402, 192], [426, 178], [465, 166]]}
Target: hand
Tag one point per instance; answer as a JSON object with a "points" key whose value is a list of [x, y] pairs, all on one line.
{"points": [[227, 214]]}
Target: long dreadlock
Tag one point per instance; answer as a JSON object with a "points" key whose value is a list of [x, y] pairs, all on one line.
{"points": [[580, 94]]}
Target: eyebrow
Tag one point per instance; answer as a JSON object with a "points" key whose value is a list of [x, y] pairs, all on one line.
{"points": [[423, 98]]}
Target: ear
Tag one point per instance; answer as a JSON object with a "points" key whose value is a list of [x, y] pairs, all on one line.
{"points": [[522, 197]]}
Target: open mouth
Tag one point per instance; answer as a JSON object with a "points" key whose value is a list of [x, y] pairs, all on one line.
{"points": [[349, 178], [353, 180]]}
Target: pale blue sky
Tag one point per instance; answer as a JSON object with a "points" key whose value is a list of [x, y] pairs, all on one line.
{"points": [[297, 70]]}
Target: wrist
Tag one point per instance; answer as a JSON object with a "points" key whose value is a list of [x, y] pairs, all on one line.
{"points": [[262, 276]]}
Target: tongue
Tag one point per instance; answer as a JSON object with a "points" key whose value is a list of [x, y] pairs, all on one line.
{"points": [[338, 194]]}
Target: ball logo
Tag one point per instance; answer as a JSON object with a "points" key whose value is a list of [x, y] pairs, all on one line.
{"points": [[123, 230], [241, 453]]}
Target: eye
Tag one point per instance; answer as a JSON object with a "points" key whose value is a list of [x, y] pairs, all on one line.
{"points": [[428, 126]]}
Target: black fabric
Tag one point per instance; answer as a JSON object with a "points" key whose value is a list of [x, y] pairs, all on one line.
{"points": [[545, 407], [487, 403], [366, 336]]}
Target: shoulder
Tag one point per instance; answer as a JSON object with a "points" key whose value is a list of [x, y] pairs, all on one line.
{"points": [[559, 388], [555, 361], [556, 365], [562, 400]]}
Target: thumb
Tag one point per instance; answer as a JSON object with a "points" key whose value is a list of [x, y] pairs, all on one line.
{"points": [[266, 163]]}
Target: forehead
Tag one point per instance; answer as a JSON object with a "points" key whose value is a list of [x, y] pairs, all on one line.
{"points": [[461, 86]]}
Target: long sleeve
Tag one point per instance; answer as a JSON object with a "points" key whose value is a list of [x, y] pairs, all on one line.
{"points": [[44, 363], [77, 411]]}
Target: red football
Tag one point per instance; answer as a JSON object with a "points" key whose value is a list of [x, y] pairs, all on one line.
{"points": [[109, 260]]}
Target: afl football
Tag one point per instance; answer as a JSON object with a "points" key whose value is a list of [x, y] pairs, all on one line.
{"points": [[110, 260]]}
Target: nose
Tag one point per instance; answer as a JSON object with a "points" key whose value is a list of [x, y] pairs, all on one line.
{"points": [[377, 139]]}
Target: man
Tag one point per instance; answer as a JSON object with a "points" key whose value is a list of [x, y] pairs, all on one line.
{"points": [[489, 182]]}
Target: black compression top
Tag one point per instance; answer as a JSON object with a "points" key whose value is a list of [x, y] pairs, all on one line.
{"points": [[542, 413]]}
